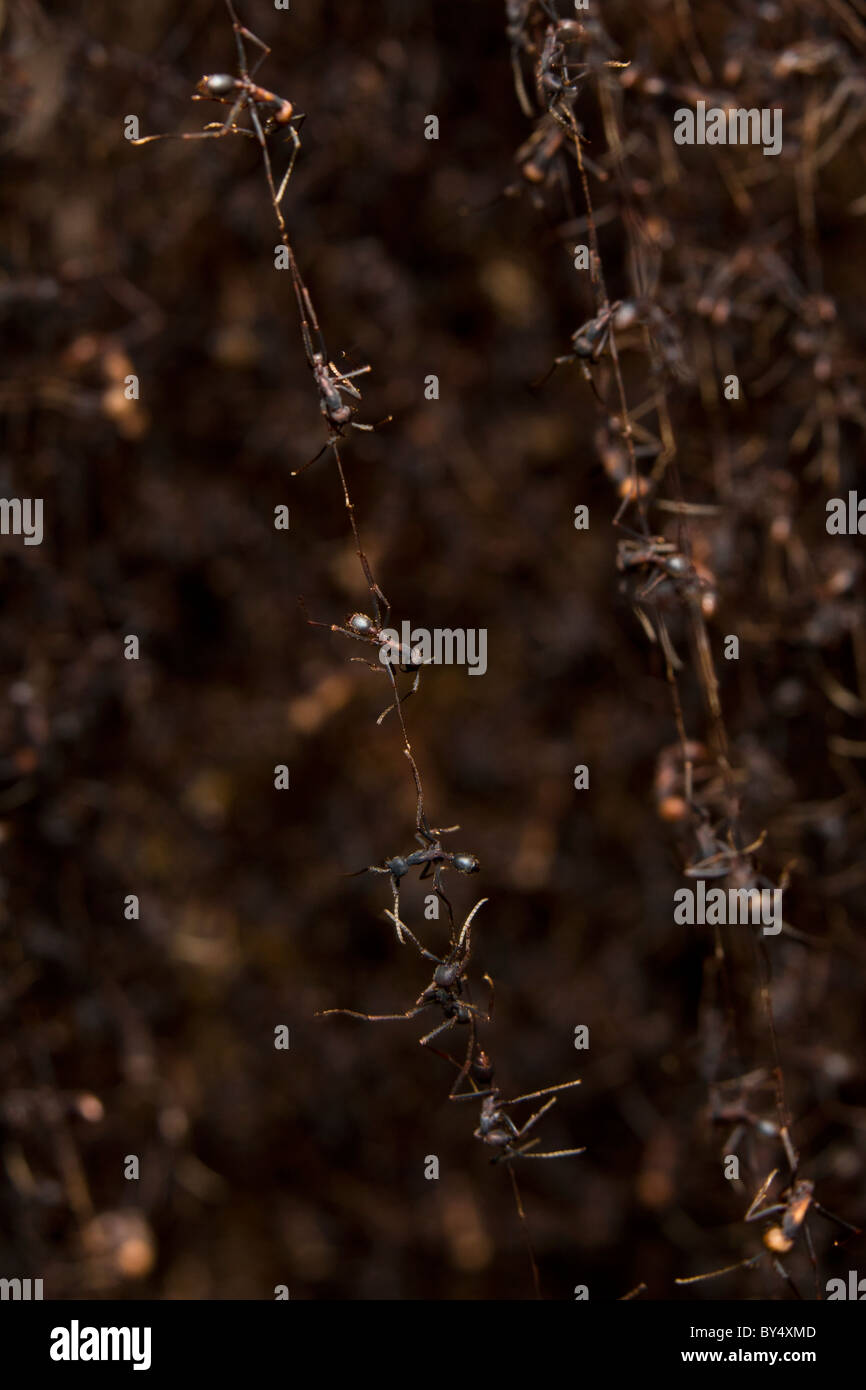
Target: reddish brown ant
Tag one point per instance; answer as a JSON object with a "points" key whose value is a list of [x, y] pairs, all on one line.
{"points": [[242, 94]]}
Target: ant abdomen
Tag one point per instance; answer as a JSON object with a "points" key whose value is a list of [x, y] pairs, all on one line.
{"points": [[465, 864]]}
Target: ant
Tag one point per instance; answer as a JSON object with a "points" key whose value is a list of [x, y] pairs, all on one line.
{"points": [[695, 586], [680, 767], [241, 93], [778, 1239], [793, 1206], [391, 652], [538, 158], [329, 381], [552, 76], [498, 1130], [594, 337], [432, 856], [590, 341], [522, 16], [724, 860], [731, 1103], [444, 991], [587, 344], [669, 562]]}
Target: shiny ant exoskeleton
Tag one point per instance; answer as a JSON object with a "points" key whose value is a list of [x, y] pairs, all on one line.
{"points": [[332, 385], [445, 990], [392, 652], [495, 1128], [431, 857], [242, 94], [669, 563]]}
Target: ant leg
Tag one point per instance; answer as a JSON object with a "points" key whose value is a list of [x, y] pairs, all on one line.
{"points": [[492, 995], [512, 1127], [783, 1274], [211, 133], [442, 898], [651, 585], [470, 1052], [373, 665], [343, 379], [545, 1091], [750, 1263], [520, 88], [812, 1257], [553, 1153], [254, 38], [381, 618], [398, 925], [333, 627], [269, 173], [313, 622], [305, 313], [790, 1152], [590, 378], [370, 1018], [329, 444], [845, 1225], [288, 174], [405, 698], [241, 33], [557, 362], [466, 933], [428, 835], [370, 869], [385, 420], [449, 1023], [383, 613], [428, 955], [309, 318], [753, 1214], [475, 1094], [533, 1119], [407, 747]]}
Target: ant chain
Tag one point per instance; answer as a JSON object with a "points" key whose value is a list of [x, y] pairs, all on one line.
{"points": [[449, 989], [557, 96]]}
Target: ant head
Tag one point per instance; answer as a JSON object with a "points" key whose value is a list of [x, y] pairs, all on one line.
{"points": [[466, 864], [397, 866], [219, 84], [360, 623]]}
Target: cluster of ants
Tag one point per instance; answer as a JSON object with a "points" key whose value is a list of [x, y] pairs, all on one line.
{"points": [[670, 582], [337, 391]]}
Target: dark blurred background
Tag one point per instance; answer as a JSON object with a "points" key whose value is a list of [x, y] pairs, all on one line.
{"points": [[154, 1037]]}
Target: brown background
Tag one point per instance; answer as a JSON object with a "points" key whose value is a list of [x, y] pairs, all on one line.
{"points": [[156, 778]]}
